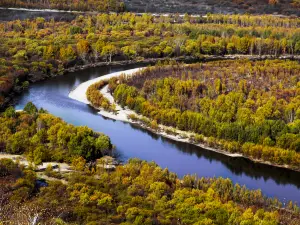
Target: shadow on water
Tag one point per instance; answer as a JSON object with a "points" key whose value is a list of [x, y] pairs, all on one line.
{"points": [[237, 165], [133, 141]]}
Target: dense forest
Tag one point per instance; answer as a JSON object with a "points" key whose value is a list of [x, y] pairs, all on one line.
{"points": [[135, 193], [42, 137], [74, 5], [249, 107], [36, 49], [240, 106]]}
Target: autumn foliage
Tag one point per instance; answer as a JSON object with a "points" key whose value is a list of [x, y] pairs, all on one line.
{"points": [[135, 193], [96, 98], [244, 107], [38, 48], [43, 137]]}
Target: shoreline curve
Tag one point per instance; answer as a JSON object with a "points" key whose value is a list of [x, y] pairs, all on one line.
{"points": [[79, 94]]}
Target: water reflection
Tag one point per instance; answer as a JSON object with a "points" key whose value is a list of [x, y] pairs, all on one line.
{"points": [[238, 166], [132, 141]]}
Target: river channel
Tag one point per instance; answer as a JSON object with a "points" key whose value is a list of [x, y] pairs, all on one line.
{"points": [[132, 141]]}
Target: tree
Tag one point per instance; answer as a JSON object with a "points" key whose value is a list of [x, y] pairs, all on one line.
{"points": [[83, 48], [109, 51], [78, 163], [230, 48], [18, 142], [243, 45], [39, 155], [67, 54], [103, 145], [30, 108], [48, 52], [129, 52], [97, 48], [10, 112], [206, 47], [21, 55]]}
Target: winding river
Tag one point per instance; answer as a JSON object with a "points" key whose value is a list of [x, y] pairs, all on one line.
{"points": [[132, 141]]}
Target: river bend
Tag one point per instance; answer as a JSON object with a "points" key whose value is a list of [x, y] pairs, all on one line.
{"points": [[132, 141]]}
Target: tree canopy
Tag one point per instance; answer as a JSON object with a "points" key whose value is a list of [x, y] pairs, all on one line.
{"points": [[43, 137], [138, 192], [35, 49], [239, 106]]}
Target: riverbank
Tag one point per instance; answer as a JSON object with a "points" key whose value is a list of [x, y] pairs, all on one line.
{"points": [[62, 167], [79, 93], [123, 115], [180, 136], [10, 99], [186, 59]]}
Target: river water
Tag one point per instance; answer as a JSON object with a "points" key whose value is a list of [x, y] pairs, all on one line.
{"points": [[132, 141]]}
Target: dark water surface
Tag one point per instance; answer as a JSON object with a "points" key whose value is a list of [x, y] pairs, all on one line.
{"points": [[132, 141]]}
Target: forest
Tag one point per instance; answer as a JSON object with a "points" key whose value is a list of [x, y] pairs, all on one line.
{"points": [[36, 49], [42, 137], [248, 107], [73, 5], [138, 192]]}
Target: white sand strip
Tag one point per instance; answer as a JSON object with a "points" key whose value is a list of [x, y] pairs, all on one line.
{"points": [[79, 93], [122, 115]]}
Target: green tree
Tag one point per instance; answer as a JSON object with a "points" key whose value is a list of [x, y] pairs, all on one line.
{"points": [[103, 145], [129, 52], [10, 112], [30, 108]]}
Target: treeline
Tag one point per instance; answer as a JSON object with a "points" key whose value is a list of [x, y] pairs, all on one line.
{"points": [[136, 193], [36, 49], [247, 20], [243, 20], [43, 137], [246, 107], [73, 5]]}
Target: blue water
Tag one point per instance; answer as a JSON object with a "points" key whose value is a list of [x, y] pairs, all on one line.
{"points": [[131, 141]]}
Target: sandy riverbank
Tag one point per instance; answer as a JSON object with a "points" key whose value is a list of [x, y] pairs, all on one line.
{"points": [[122, 115], [79, 93]]}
